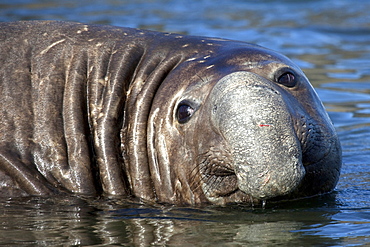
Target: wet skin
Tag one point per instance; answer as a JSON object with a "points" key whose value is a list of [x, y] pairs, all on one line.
{"points": [[101, 110]]}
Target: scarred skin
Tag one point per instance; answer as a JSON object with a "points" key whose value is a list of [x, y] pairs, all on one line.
{"points": [[101, 110]]}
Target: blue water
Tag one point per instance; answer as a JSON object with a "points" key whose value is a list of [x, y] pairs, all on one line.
{"points": [[329, 39]]}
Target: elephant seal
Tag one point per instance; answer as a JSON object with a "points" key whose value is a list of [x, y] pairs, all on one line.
{"points": [[102, 110]]}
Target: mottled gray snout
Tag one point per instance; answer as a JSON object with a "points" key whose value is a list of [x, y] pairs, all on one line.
{"points": [[256, 123]]}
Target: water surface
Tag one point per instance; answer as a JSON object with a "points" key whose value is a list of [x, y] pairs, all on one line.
{"points": [[329, 39]]}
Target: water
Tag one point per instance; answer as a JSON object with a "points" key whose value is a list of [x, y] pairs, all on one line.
{"points": [[329, 39]]}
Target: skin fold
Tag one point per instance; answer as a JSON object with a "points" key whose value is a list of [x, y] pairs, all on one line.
{"points": [[102, 110]]}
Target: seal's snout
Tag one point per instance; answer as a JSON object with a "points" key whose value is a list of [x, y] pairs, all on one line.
{"points": [[257, 124], [270, 183]]}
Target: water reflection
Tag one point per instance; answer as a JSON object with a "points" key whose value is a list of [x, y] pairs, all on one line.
{"points": [[74, 221]]}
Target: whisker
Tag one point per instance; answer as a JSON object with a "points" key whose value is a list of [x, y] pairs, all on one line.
{"points": [[210, 172]]}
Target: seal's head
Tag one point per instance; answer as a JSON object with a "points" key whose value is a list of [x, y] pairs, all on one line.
{"points": [[249, 127]]}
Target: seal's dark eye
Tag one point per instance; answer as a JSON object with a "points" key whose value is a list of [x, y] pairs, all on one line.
{"points": [[287, 79], [184, 112]]}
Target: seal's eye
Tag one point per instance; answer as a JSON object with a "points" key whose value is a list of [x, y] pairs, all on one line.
{"points": [[287, 79], [184, 112]]}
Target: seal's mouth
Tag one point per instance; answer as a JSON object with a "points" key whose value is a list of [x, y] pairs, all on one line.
{"points": [[218, 175], [220, 179]]}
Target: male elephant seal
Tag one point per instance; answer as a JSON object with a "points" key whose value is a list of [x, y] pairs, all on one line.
{"points": [[99, 110]]}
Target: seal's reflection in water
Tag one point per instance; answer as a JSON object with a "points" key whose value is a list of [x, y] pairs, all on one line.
{"points": [[74, 221]]}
